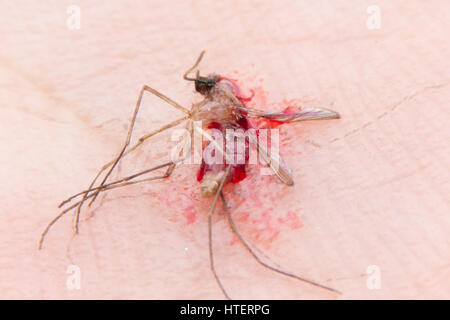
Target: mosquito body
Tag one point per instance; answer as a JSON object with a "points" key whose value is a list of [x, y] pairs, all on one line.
{"points": [[219, 111], [222, 109]]}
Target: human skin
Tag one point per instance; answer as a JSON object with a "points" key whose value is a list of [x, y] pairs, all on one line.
{"points": [[371, 189]]}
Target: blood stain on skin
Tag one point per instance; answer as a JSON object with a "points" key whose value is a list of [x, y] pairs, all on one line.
{"points": [[292, 220], [255, 201], [257, 209], [190, 214], [178, 199]]}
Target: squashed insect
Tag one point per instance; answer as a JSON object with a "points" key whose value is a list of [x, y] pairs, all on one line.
{"points": [[222, 109]]}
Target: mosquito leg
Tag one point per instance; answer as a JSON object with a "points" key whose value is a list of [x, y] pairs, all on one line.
{"points": [[134, 147], [132, 122], [127, 141], [249, 249], [211, 211], [213, 206], [172, 164], [211, 259], [113, 185]]}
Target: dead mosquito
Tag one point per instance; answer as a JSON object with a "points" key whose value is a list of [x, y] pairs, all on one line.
{"points": [[221, 109]]}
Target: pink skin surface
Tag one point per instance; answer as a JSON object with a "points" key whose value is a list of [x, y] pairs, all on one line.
{"points": [[371, 189]]}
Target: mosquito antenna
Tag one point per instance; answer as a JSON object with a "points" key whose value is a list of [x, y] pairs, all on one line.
{"points": [[185, 76]]}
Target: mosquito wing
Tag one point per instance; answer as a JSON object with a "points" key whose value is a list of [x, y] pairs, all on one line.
{"points": [[274, 160], [275, 163], [304, 114]]}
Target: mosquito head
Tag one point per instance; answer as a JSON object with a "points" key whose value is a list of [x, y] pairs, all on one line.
{"points": [[204, 85]]}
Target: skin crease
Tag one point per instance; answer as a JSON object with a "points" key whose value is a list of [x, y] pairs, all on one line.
{"points": [[371, 189]]}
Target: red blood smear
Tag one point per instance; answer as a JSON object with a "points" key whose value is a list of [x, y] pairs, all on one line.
{"points": [[201, 171], [238, 172], [189, 213], [259, 225], [215, 125], [237, 91]]}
